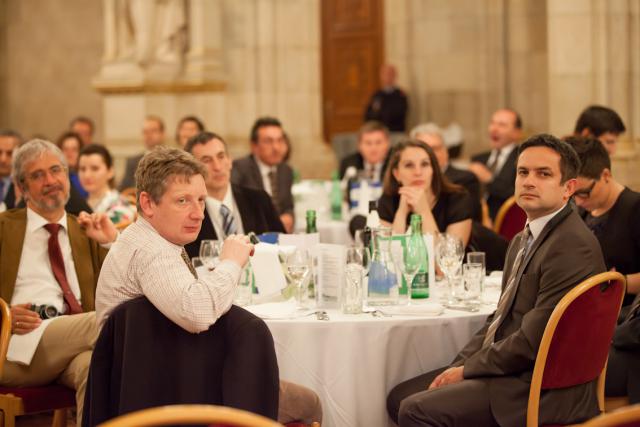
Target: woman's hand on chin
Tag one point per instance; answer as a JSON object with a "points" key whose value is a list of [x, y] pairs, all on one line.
{"points": [[417, 198]]}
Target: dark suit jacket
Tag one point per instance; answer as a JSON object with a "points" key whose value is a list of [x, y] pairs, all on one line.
{"points": [[356, 160], [389, 108], [142, 359], [562, 256], [75, 204], [246, 173], [128, 180], [503, 185], [87, 255], [257, 213], [469, 181]]}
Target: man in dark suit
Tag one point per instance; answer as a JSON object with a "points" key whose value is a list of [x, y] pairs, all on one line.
{"points": [[49, 263], [431, 134], [488, 382], [496, 169], [388, 104], [265, 169], [152, 136], [373, 152], [229, 208]]}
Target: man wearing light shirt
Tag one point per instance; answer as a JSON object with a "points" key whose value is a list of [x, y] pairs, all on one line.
{"points": [[496, 169], [229, 208], [265, 168], [488, 382], [50, 261]]}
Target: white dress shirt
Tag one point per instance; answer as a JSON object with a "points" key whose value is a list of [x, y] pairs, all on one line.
{"points": [[504, 154], [213, 210], [377, 170], [35, 283], [538, 224], [142, 262], [264, 173]]}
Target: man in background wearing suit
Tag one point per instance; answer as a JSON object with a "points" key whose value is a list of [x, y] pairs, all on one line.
{"points": [[388, 104], [152, 136], [373, 152], [229, 208], [265, 168], [488, 382], [49, 263], [496, 169]]}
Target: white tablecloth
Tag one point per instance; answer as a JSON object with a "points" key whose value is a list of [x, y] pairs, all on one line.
{"points": [[353, 361]]}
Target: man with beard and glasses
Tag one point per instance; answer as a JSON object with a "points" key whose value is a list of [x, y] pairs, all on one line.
{"points": [[49, 267]]}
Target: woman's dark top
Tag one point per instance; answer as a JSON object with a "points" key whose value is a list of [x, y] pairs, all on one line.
{"points": [[450, 208], [618, 232]]}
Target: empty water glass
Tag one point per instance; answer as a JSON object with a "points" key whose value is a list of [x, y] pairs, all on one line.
{"points": [[472, 278], [298, 267], [478, 258], [353, 292]]}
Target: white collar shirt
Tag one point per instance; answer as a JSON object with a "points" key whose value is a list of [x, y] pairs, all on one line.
{"points": [[35, 282], [537, 225], [142, 262], [377, 170], [264, 173], [505, 152], [213, 210]]}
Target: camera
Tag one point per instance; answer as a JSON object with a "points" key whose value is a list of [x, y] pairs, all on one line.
{"points": [[45, 311]]}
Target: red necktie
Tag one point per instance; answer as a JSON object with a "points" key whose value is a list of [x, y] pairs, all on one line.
{"points": [[57, 265]]}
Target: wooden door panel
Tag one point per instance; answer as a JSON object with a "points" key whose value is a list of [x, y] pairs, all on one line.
{"points": [[352, 53]]}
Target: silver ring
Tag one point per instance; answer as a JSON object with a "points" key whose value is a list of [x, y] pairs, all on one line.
{"points": [[17, 324]]}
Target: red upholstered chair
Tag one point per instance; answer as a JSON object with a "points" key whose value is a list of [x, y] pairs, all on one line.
{"points": [[625, 417], [16, 401], [510, 219], [576, 340], [191, 414]]}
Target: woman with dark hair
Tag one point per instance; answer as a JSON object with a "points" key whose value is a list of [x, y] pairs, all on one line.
{"points": [[70, 143], [96, 176], [414, 183], [188, 126]]}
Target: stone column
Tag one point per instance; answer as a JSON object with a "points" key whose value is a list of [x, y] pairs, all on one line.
{"points": [[204, 57]]}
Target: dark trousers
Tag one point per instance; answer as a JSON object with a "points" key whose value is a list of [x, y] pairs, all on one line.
{"points": [[623, 368], [463, 404]]}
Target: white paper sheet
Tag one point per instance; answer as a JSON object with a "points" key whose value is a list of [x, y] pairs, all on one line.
{"points": [[23, 347], [267, 270], [332, 260]]}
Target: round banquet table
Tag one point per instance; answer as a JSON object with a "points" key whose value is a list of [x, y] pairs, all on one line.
{"points": [[353, 361]]}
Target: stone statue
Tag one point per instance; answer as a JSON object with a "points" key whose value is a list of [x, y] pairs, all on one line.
{"points": [[146, 32]]}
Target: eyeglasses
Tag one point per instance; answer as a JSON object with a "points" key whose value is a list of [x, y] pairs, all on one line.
{"points": [[585, 193], [55, 171]]}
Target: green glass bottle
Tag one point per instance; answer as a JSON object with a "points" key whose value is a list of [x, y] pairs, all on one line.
{"points": [[336, 197], [311, 228], [311, 222], [420, 284]]}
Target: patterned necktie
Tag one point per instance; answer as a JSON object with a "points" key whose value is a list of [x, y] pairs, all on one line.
{"points": [[371, 169], [229, 226], [1, 190], [187, 261], [494, 164], [273, 181], [57, 265], [509, 289]]}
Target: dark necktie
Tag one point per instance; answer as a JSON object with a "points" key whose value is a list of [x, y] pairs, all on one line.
{"points": [[1, 190], [57, 265], [273, 181], [371, 169], [228, 221], [494, 164], [509, 289], [187, 261]]}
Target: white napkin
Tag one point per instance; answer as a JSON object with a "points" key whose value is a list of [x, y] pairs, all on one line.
{"points": [[424, 309], [23, 347], [274, 310]]}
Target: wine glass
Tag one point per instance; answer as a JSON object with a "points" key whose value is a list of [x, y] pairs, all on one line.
{"points": [[210, 253], [357, 265], [298, 267], [450, 252], [408, 259]]}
